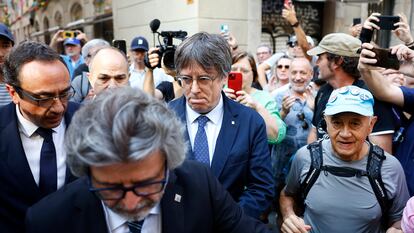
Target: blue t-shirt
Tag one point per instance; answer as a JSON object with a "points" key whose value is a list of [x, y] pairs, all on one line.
{"points": [[405, 152]]}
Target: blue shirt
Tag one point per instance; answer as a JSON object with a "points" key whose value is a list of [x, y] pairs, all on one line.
{"points": [[69, 65], [405, 151]]}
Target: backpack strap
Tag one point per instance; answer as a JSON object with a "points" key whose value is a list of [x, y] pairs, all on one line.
{"points": [[315, 150], [84, 85], [375, 160]]}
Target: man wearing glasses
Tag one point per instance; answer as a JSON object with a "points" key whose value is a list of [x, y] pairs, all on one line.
{"points": [[134, 177], [224, 135], [32, 128]]}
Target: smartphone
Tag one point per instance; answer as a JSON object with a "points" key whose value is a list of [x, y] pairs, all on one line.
{"points": [[385, 59], [386, 22], [356, 21], [235, 81], [121, 45], [224, 28], [69, 34]]}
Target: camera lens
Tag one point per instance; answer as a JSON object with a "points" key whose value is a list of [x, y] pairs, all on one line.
{"points": [[169, 58]]}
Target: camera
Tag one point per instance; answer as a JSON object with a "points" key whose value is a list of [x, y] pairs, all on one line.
{"points": [[69, 34], [167, 48]]}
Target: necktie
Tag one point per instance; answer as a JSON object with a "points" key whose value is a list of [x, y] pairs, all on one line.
{"points": [[48, 168], [200, 142], [135, 226]]}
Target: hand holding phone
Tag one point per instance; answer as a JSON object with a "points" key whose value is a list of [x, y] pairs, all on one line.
{"points": [[386, 22], [235, 81], [385, 59], [68, 34]]}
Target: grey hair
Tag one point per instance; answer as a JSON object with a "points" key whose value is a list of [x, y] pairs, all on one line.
{"points": [[210, 51], [265, 46], [91, 44], [123, 125]]}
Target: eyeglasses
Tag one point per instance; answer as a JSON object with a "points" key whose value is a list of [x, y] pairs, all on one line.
{"points": [[281, 66], [262, 53], [142, 189], [45, 101], [201, 81], [301, 117]]}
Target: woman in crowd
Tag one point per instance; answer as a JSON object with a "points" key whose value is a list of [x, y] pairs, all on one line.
{"points": [[261, 101]]}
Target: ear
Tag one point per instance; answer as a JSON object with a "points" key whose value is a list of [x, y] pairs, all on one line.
{"points": [[13, 94], [372, 123]]}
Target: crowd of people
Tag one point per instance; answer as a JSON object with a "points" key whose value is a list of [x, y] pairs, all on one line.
{"points": [[320, 135]]}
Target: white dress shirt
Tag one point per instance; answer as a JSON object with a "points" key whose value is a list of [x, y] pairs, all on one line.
{"points": [[118, 224], [32, 145], [136, 78], [212, 127]]}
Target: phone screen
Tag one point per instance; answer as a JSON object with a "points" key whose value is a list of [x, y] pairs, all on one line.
{"points": [[235, 81], [121, 45]]}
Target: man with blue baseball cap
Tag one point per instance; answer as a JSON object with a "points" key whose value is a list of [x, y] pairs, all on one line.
{"points": [[137, 70], [6, 44], [347, 184], [73, 56]]}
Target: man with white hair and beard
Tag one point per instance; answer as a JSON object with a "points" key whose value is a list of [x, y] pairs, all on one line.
{"points": [[129, 151]]}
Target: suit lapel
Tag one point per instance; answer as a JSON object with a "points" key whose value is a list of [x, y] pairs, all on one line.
{"points": [[90, 209], [172, 206], [226, 137], [182, 114], [13, 148], [72, 107]]}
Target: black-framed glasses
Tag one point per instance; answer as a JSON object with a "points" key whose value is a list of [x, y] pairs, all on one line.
{"points": [[201, 81], [142, 189], [45, 101], [301, 117]]}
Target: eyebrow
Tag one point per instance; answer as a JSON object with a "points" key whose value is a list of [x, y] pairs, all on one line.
{"points": [[51, 94], [133, 182], [110, 76]]}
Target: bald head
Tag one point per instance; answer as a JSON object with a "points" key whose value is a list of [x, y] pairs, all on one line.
{"points": [[108, 69], [301, 73]]}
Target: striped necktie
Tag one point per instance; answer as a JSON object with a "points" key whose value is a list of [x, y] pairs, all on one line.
{"points": [[135, 226]]}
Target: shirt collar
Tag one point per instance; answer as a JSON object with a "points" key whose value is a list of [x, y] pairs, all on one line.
{"points": [[28, 128], [214, 115], [115, 220]]}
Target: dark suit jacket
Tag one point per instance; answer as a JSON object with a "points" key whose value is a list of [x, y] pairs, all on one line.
{"points": [[241, 159], [205, 207], [18, 189]]}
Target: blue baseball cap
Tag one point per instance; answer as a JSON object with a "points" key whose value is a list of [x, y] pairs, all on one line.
{"points": [[5, 32], [139, 42], [350, 99], [72, 41]]}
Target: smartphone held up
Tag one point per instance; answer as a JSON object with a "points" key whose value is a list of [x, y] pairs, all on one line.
{"points": [[385, 59], [235, 81]]}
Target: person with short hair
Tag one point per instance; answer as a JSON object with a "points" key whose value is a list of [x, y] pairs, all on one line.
{"points": [[224, 135], [129, 151], [32, 130], [342, 197], [108, 73], [81, 85], [6, 44]]}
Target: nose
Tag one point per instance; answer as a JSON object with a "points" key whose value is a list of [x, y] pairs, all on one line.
{"points": [[112, 84], [345, 131], [57, 105], [131, 201], [194, 87]]}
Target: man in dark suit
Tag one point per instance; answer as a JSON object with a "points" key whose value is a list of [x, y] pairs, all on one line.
{"points": [[131, 159], [225, 135], [32, 127]]}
